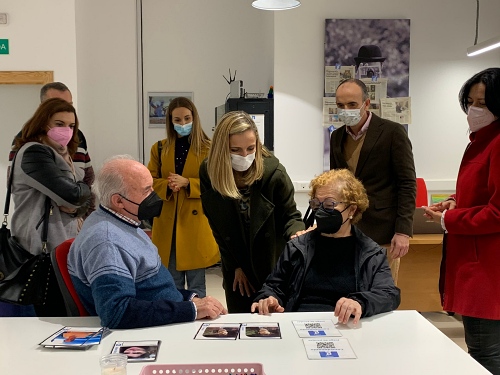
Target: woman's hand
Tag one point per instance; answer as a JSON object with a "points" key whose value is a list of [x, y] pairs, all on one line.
{"points": [[441, 206], [301, 232], [432, 214], [67, 210], [241, 282], [176, 181], [267, 306], [346, 307]]}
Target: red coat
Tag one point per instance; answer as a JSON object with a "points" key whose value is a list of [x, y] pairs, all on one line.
{"points": [[472, 276]]}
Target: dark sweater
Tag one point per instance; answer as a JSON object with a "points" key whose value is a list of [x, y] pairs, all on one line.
{"points": [[330, 275]]}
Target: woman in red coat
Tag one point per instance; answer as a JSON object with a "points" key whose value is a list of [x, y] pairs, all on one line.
{"points": [[472, 219]]}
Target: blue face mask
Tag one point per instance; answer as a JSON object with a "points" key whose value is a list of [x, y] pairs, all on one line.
{"points": [[183, 130]]}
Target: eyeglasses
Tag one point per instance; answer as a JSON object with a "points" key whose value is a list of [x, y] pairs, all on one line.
{"points": [[328, 204]]}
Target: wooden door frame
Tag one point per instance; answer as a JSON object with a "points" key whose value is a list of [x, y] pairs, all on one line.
{"points": [[26, 77]]}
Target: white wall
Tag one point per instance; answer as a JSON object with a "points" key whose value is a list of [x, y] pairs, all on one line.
{"points": [[41, 37], [188, 46], [441, 31], [91, 46], [107, 77]]}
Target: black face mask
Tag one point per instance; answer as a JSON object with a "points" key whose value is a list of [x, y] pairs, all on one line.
{"points": [[329, 222], [150, 207]]}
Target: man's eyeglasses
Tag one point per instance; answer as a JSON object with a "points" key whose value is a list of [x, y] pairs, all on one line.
{"points": [[328, 204]]}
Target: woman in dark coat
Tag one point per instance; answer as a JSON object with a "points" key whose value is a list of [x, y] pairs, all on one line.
{"points": [[335, 267], [248, 199]]}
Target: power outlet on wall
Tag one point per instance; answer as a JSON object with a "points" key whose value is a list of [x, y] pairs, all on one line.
{"points": [[3, 18], [301, 186]]}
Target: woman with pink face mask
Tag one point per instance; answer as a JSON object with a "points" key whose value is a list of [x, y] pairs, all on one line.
{"points": [[470, 276], [43, 170]]}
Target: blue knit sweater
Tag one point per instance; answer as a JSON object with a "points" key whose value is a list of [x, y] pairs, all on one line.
{"points": [[118, 275]]}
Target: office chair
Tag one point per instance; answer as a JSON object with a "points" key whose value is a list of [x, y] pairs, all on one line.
{"points": [[422, 196], [59, 256]]}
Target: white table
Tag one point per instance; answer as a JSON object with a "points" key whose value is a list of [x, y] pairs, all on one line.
{"points": [[401, 342]]}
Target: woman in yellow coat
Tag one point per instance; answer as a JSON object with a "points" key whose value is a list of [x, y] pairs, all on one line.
{"points": [[181, 233]]}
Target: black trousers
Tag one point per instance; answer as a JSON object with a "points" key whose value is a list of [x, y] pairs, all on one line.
{"points": [[482, 337], [236, 303]]}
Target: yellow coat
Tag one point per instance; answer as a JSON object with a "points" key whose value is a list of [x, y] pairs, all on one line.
{"points": [[195, 244]]}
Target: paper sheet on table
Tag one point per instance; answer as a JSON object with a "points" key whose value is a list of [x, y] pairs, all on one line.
{"points": [[333, 348], [315, 328]]}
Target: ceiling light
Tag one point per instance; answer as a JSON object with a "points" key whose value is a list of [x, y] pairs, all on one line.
{"points": [[275, 4], [485, 46]]}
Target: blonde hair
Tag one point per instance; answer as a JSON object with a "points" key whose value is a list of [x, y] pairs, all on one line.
{"points": [[219, 165], [198, 139], [350, 189]]}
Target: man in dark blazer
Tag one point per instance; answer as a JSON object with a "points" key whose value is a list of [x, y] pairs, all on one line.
{"points": [[379, 154]]}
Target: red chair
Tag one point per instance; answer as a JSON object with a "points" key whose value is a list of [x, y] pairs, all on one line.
{"points": [[59, 257], [422, 196]]}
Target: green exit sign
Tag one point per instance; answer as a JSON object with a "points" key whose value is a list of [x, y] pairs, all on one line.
{"points": [[4, 46]]}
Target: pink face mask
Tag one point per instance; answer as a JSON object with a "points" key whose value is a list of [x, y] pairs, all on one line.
{"points": [[478, 118], [60, 134]]}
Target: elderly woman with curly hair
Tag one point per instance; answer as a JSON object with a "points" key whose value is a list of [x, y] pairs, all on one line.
{"points": [[335, 267]]}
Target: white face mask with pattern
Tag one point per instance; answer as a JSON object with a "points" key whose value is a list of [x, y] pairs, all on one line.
{"points": [[350, 117], [242, 163], [478, 118]]}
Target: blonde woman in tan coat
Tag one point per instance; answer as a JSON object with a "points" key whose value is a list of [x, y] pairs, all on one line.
{"points": [[181, 233]]}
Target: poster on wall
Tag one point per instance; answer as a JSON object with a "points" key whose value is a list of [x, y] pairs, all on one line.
{"points": [[334, 75], [158, 103], [396, 109], [379, 51]]}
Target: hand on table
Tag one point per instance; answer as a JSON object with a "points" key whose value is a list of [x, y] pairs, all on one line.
{"points": [[346, 307], [267, 306], [208, 307]]}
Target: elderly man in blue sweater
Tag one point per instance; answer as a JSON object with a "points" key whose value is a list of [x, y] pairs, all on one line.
{"points": [[115, 267]]}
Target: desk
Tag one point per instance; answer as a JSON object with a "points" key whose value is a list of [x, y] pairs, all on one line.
{"points": [[401, 342], [419, 274]]}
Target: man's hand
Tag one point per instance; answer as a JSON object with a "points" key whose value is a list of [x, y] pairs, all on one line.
{"points": [[346, 307], [241, 282], [399, 246], [267, 306], [208, 307]]}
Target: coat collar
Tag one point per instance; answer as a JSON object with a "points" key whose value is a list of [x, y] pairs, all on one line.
{"points": [[365, 246], [372, 135]]}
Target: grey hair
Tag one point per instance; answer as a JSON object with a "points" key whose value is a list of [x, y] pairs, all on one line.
{"points": [[109, 181], [59, 86], [358, 83]]}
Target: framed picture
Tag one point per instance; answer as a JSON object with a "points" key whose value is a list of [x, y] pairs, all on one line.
{"points": [[157, 103]]}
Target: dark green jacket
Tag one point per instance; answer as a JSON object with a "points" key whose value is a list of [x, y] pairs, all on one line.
{"points": [[274, 218]]}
